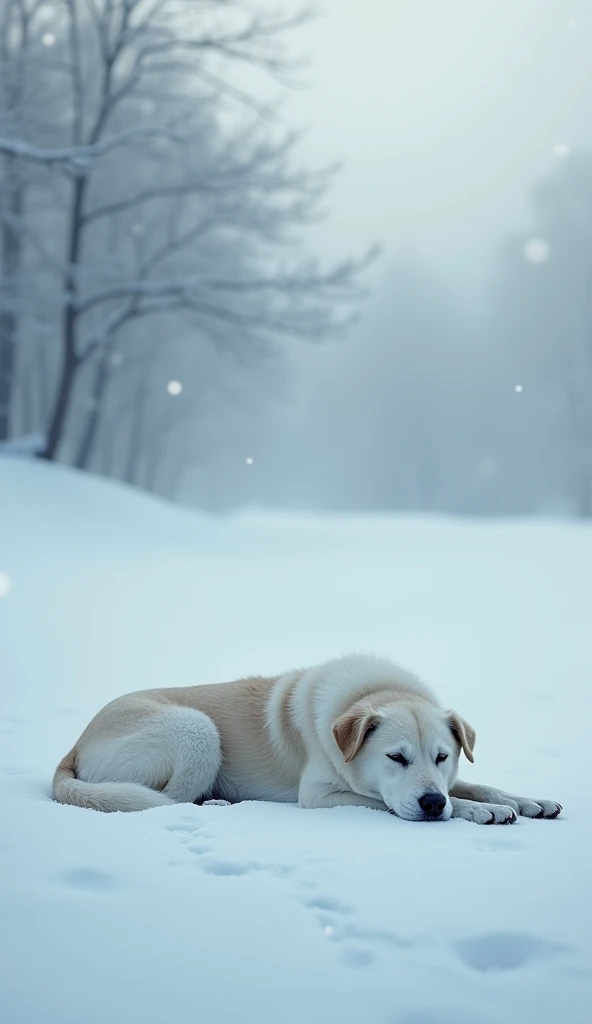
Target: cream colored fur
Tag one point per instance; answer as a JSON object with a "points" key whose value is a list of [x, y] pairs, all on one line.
{"points": [[358, 730]]}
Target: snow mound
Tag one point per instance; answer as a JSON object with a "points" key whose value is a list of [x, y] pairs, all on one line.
{"points": [[28, 444], [263, 912]]}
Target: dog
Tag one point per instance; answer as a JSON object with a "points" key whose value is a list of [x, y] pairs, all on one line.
{"points": [[355, 731]]}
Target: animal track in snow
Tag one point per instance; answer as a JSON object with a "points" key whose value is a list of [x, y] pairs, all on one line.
{"points": [[199, 849], [183, 829], [226, 867], [187, 832], [357, 946], [89, 880], [505, 951], [328, 903], [230, 868]]}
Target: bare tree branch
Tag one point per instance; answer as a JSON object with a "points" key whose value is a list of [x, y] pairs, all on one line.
{"points": [[79, 157]]}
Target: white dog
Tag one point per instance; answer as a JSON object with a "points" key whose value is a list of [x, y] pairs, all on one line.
{"points": [[358, 730]]}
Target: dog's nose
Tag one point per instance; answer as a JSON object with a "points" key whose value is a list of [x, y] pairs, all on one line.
{"points": [[432, 804]]}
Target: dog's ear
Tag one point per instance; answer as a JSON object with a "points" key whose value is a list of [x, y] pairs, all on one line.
{"points": [[463, 733], [350, 730]]}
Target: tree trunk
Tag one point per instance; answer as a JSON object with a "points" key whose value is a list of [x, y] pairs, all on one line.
{"points": [[70, 360], [10, 263], [61, 406], [43, 379], [137, 429], [8, 329], [99, 390], [26, 405]]}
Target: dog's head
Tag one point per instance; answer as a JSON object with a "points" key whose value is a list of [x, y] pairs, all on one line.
{"points": [[403, 751]]}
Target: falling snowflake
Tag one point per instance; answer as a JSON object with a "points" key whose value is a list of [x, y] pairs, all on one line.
{"points": [[174, 387], [518, 388], [249, 461], [328, 929], [48, 39], [137, 229], [5, 584], [561, 149], [572, 22], [537, 250]]}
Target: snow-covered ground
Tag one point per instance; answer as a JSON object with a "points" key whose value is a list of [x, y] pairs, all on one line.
{"points": [[265, 913]]}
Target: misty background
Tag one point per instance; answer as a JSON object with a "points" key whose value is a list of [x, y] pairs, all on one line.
{"points": [[190, 295]]}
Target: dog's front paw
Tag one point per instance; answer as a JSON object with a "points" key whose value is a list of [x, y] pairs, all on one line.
{"points": [[483, 814], [529, 808]]}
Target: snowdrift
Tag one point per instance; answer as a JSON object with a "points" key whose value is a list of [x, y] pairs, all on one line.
{"points": [[268, 913]]}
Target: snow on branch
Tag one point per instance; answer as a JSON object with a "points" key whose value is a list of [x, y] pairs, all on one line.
{"points": [[78, 158], [311, 281]]}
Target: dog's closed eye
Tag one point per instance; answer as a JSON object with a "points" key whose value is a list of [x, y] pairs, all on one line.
{"points": [[399, 759]]}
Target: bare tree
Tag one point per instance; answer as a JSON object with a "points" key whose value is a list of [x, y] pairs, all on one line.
{"points": [[215, 197], [31, 98], [15, 42], [166, 194]]}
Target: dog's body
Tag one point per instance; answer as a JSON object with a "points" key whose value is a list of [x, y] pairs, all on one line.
{"points": [[358, 730]]}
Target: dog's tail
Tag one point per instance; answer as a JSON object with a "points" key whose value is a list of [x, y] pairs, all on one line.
{"points": [[102, 796]]}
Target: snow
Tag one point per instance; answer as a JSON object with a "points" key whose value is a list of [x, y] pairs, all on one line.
{"points": [[26, 444], [269, 913]]}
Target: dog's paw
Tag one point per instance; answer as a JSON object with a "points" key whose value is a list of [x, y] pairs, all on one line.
{"points": [[484, 814], [529, 808], [501, 814], [496, 814]]}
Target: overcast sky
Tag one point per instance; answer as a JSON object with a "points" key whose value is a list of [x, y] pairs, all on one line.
{"points": [[444, 112]]}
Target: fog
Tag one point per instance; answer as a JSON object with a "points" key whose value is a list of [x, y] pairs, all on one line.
{"points": [[444, 114], [462, 384]]}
